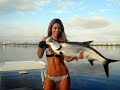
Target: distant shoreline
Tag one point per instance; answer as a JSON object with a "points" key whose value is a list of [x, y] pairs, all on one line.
{"points": [[105, 44]]}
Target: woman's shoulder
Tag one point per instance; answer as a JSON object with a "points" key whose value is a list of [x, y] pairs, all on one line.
{"points": [[44, 38]]}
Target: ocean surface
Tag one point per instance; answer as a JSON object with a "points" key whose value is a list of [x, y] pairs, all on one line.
{"points": [[83, 75]]}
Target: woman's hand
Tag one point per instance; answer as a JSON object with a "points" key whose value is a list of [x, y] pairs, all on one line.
{"points": [[80, 55], [42, 44], [69, 58]]}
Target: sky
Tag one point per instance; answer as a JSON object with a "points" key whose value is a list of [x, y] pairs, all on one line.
{"points": [[83, 20]]}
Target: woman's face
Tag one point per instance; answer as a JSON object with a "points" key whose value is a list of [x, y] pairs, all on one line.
{"points": [[56, 29]]}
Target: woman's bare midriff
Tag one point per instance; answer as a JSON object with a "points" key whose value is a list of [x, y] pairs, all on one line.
{"points": [[56, 66]]}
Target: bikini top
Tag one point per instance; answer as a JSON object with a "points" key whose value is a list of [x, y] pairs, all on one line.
{"points": [[50, 53]]}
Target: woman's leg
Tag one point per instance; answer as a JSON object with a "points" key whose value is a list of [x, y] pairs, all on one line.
{"points": [[49, 84], [65, 84]]}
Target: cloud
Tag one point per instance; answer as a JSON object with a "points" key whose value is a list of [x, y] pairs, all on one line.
{"points": [[112, 30], [98, 29], [42, 2], [60, 11], [9, 6], [65, 4], [113, 1], [88, 23], [3, 1], [100, 11], [68, 6], [22, 29]]}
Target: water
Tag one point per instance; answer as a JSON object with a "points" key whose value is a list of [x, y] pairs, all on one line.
{"points": [[18, 53], [83, 75]]}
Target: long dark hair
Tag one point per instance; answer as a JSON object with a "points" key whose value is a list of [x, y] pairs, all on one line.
{"points": [[62, 36]]}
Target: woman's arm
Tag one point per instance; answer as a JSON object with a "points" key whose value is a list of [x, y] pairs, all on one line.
{"points": [[69, 58], [40, 52], [80, 55]]}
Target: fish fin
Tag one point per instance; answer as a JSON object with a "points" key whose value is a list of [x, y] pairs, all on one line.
{"points": [[81, 43], [106, 67], [91, 61], [87, 42], [111, 60]]}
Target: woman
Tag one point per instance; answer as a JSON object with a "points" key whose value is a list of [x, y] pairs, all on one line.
{"points": [[57, 71]]}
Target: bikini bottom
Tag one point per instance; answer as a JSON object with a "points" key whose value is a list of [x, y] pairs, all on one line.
{"points": [[57, 79]]}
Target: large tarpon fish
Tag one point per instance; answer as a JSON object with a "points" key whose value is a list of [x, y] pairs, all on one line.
{"points": [[73, 48]]}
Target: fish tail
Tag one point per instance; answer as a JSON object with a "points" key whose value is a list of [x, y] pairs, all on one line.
{"points": [[106, 65]]}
